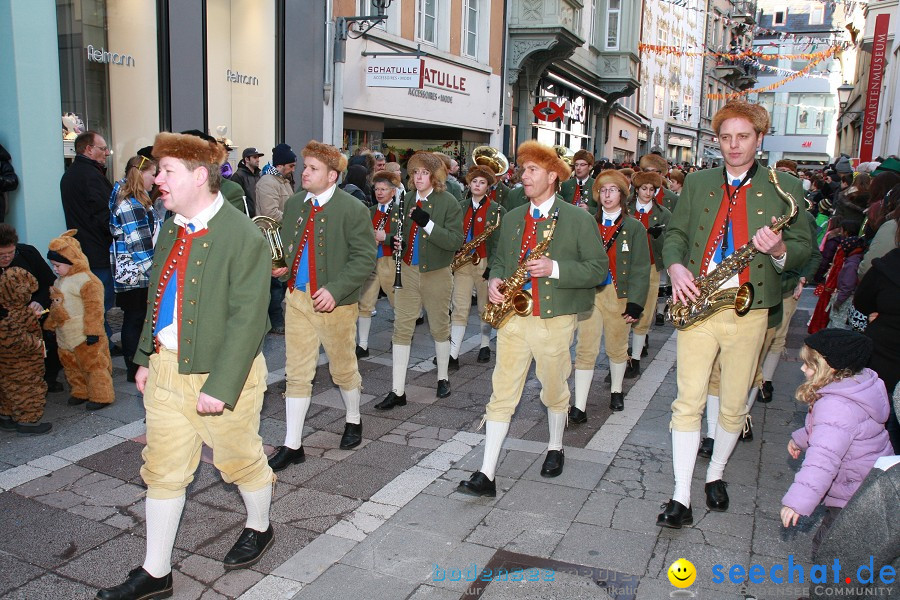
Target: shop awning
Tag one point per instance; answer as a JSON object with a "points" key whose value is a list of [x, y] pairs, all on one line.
{"points": [[712, 153]]}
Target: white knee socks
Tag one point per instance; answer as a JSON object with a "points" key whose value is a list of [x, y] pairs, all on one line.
{"points": [[770, 363], [162, 525], [400, 354], [257, 504], [363, 325], [751, 397], [351, 403], [457, 332], [725, 443], [684, 454], [616, 375], [637, 345], [442, 350], [712, 415], [295, 410], [493, 441], [485, 335], [557, 423], [583, 378]]}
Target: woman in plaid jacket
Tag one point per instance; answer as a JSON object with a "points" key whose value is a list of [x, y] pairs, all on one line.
{"points": [[134, 223]]}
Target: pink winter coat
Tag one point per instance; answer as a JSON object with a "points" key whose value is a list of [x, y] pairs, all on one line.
{"points": [[843, 437]]}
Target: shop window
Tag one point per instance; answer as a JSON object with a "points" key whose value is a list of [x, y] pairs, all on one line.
{"points": [[810, 114], [240, 50], [426, 17], [108, 74], [592, 17], [470, 28], [613, 24]]}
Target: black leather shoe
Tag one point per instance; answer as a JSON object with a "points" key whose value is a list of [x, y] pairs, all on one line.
{"points": [[362, 352], [352, 436], [285, 456], [96, 405], [390, 401], [716, 496], [484, 355], [616, 401], [747, 431], [248, 549], [7, 423], [646, 349], [453, 364], [443, 388], [420, 320], [140, 585], [74, 401], [553, 464], [576, 415], [706, 447], [54, 387], [660, 319], [766, 391], [34, 428], [477, 485], [675, 515], [633, 369]]}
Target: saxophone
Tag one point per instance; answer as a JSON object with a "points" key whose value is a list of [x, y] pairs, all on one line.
{"points": [[465, 255], [515, 299], [711, 299]]}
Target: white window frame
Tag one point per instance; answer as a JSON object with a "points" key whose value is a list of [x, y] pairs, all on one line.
{"points": [[784, 16], [420, 19], [817, 14], [592, 29], [610, 12], [468, 6]]}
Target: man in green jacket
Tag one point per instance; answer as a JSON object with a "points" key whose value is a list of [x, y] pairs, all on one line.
{"points": [[577, 190], [719, 211], [561, 284], [202, 371], [331, 251]]}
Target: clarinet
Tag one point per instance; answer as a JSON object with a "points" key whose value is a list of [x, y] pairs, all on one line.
{"points": [[398, 256]]}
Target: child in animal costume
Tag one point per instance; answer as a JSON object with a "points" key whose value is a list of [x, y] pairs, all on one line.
{"points": [[76, 313], [23, 390]]}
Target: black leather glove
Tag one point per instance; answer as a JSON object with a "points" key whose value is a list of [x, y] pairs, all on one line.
{"points": [[656, 230], [420, 217], [487, 274], [92, 339], [633, 310]]}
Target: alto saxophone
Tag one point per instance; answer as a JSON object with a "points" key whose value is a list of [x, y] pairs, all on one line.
{"points": [[465, 255], [711, 299], [515, 299]]}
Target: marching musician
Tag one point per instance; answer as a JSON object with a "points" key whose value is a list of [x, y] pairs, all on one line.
{"points": [[654, 163], [577, 190], [719, 211], [331, 252], [654, 217], [432, 233], [561, 285], [619, 297], [479, 212], [385, 184]]}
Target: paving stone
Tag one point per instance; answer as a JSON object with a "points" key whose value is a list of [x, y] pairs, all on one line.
{"points": [[703, 558], [387, 456], [201, 568], [428, 592], [405, 486], [17, 476], [606, 548], [519, 532], [636, 515], [107, 564], [311, 509], [235, 583], [351, 480], [122, 461], [313, 560], [450, 517], [342, 581], [273, 588], [299, 474], [544, 499], [51, 586], [576, 473], [15, 573], [572, 586], [52, 481]]}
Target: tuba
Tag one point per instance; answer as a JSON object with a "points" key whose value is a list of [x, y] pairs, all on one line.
{"points": [[711, 299], [491, 158], [566, 154], [270, 230]]}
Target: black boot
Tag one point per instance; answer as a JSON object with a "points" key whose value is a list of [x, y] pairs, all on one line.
{"points": [[646, 349], [362, 352], [616, 401], [453, 364], [140, 585], [716, 495], [484, 355]]}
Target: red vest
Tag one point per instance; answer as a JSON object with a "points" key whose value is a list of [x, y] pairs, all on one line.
{"points": [[310, 240], [383, 220], [739, 230], [479, 224], [645, 219], [529, 240]]}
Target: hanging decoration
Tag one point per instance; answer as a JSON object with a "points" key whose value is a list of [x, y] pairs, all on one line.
{"points": [[802, 72], [748, 53]]}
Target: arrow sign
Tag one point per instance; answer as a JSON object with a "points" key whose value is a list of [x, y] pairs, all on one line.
{"points": [[549, 111]]}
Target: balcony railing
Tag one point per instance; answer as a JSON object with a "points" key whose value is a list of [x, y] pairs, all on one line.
{"points": [[744, 10]]}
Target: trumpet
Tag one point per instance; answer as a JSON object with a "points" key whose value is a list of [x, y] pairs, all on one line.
{"points": [[271, 231]]}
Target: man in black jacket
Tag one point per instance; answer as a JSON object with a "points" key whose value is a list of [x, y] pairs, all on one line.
{"points": [[247, 174], [8, 180], [85, 194]]}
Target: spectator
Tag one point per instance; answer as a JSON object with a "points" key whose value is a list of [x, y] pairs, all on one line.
{"points": [[135, 224], [676, 180], [14, 254], [355, 184], [875, 214], [884, 240], [380, 162], [247, 176], [453, 184], [842, 165], [853, 248], [8, 180], [85, 194]]}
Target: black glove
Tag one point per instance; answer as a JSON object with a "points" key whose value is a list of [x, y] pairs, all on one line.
{"points": [[92, 339], [420, 217], [487, 274], [656, 230], [633, 310]]}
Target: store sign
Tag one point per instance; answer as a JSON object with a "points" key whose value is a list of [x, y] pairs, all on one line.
{"points": [[103, 56], [237, 77], [438, 78], [427, 95], [807, 144], [876, 79], [395, 72], [549, 111]]}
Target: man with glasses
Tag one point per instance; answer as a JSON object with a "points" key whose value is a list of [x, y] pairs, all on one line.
{"points": [[85, 194], [577, 190]]}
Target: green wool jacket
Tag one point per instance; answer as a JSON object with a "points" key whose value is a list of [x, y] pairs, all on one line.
{"points": [[502, 191], [342, 238], [669, 199], [233, 194], [494, 211], [659, 215], [456, 189], [790, 278], [632, 262], [226, 292], [692, 223], [437, 250], [515, 198], [567, 191], [576, 247]]}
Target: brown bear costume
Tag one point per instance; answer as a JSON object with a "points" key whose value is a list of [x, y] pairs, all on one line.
{"points": [[76, 313], [22, 387]]}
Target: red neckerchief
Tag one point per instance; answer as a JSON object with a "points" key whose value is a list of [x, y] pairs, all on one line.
{"points": [[644, 218], [413, 232], [608, 233], [176, 262], [659, 194], [738, 227], [309, 237], [529, 241], [383, 220], [478, 225]]}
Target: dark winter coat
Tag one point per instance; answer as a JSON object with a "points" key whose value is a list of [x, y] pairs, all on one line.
{"points": [[247, 179], [878, 292], [85, 194], [8, 179]]}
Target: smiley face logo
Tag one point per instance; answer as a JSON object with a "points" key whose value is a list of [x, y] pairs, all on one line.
{"points": [[682, 573]]}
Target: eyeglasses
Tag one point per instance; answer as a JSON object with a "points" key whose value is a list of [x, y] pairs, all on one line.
{"points": [[607, 191], [102, 148], [9, 254]]}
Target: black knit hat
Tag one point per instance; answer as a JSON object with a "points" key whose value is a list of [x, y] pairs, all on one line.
{"points": [[842, 348], [57, 257]]}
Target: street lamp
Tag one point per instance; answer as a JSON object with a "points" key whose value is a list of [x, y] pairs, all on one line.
{"points": [[843, 93]]}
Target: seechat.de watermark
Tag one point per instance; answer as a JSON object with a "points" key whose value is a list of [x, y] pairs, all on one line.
{"points": [[473, 573]]}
